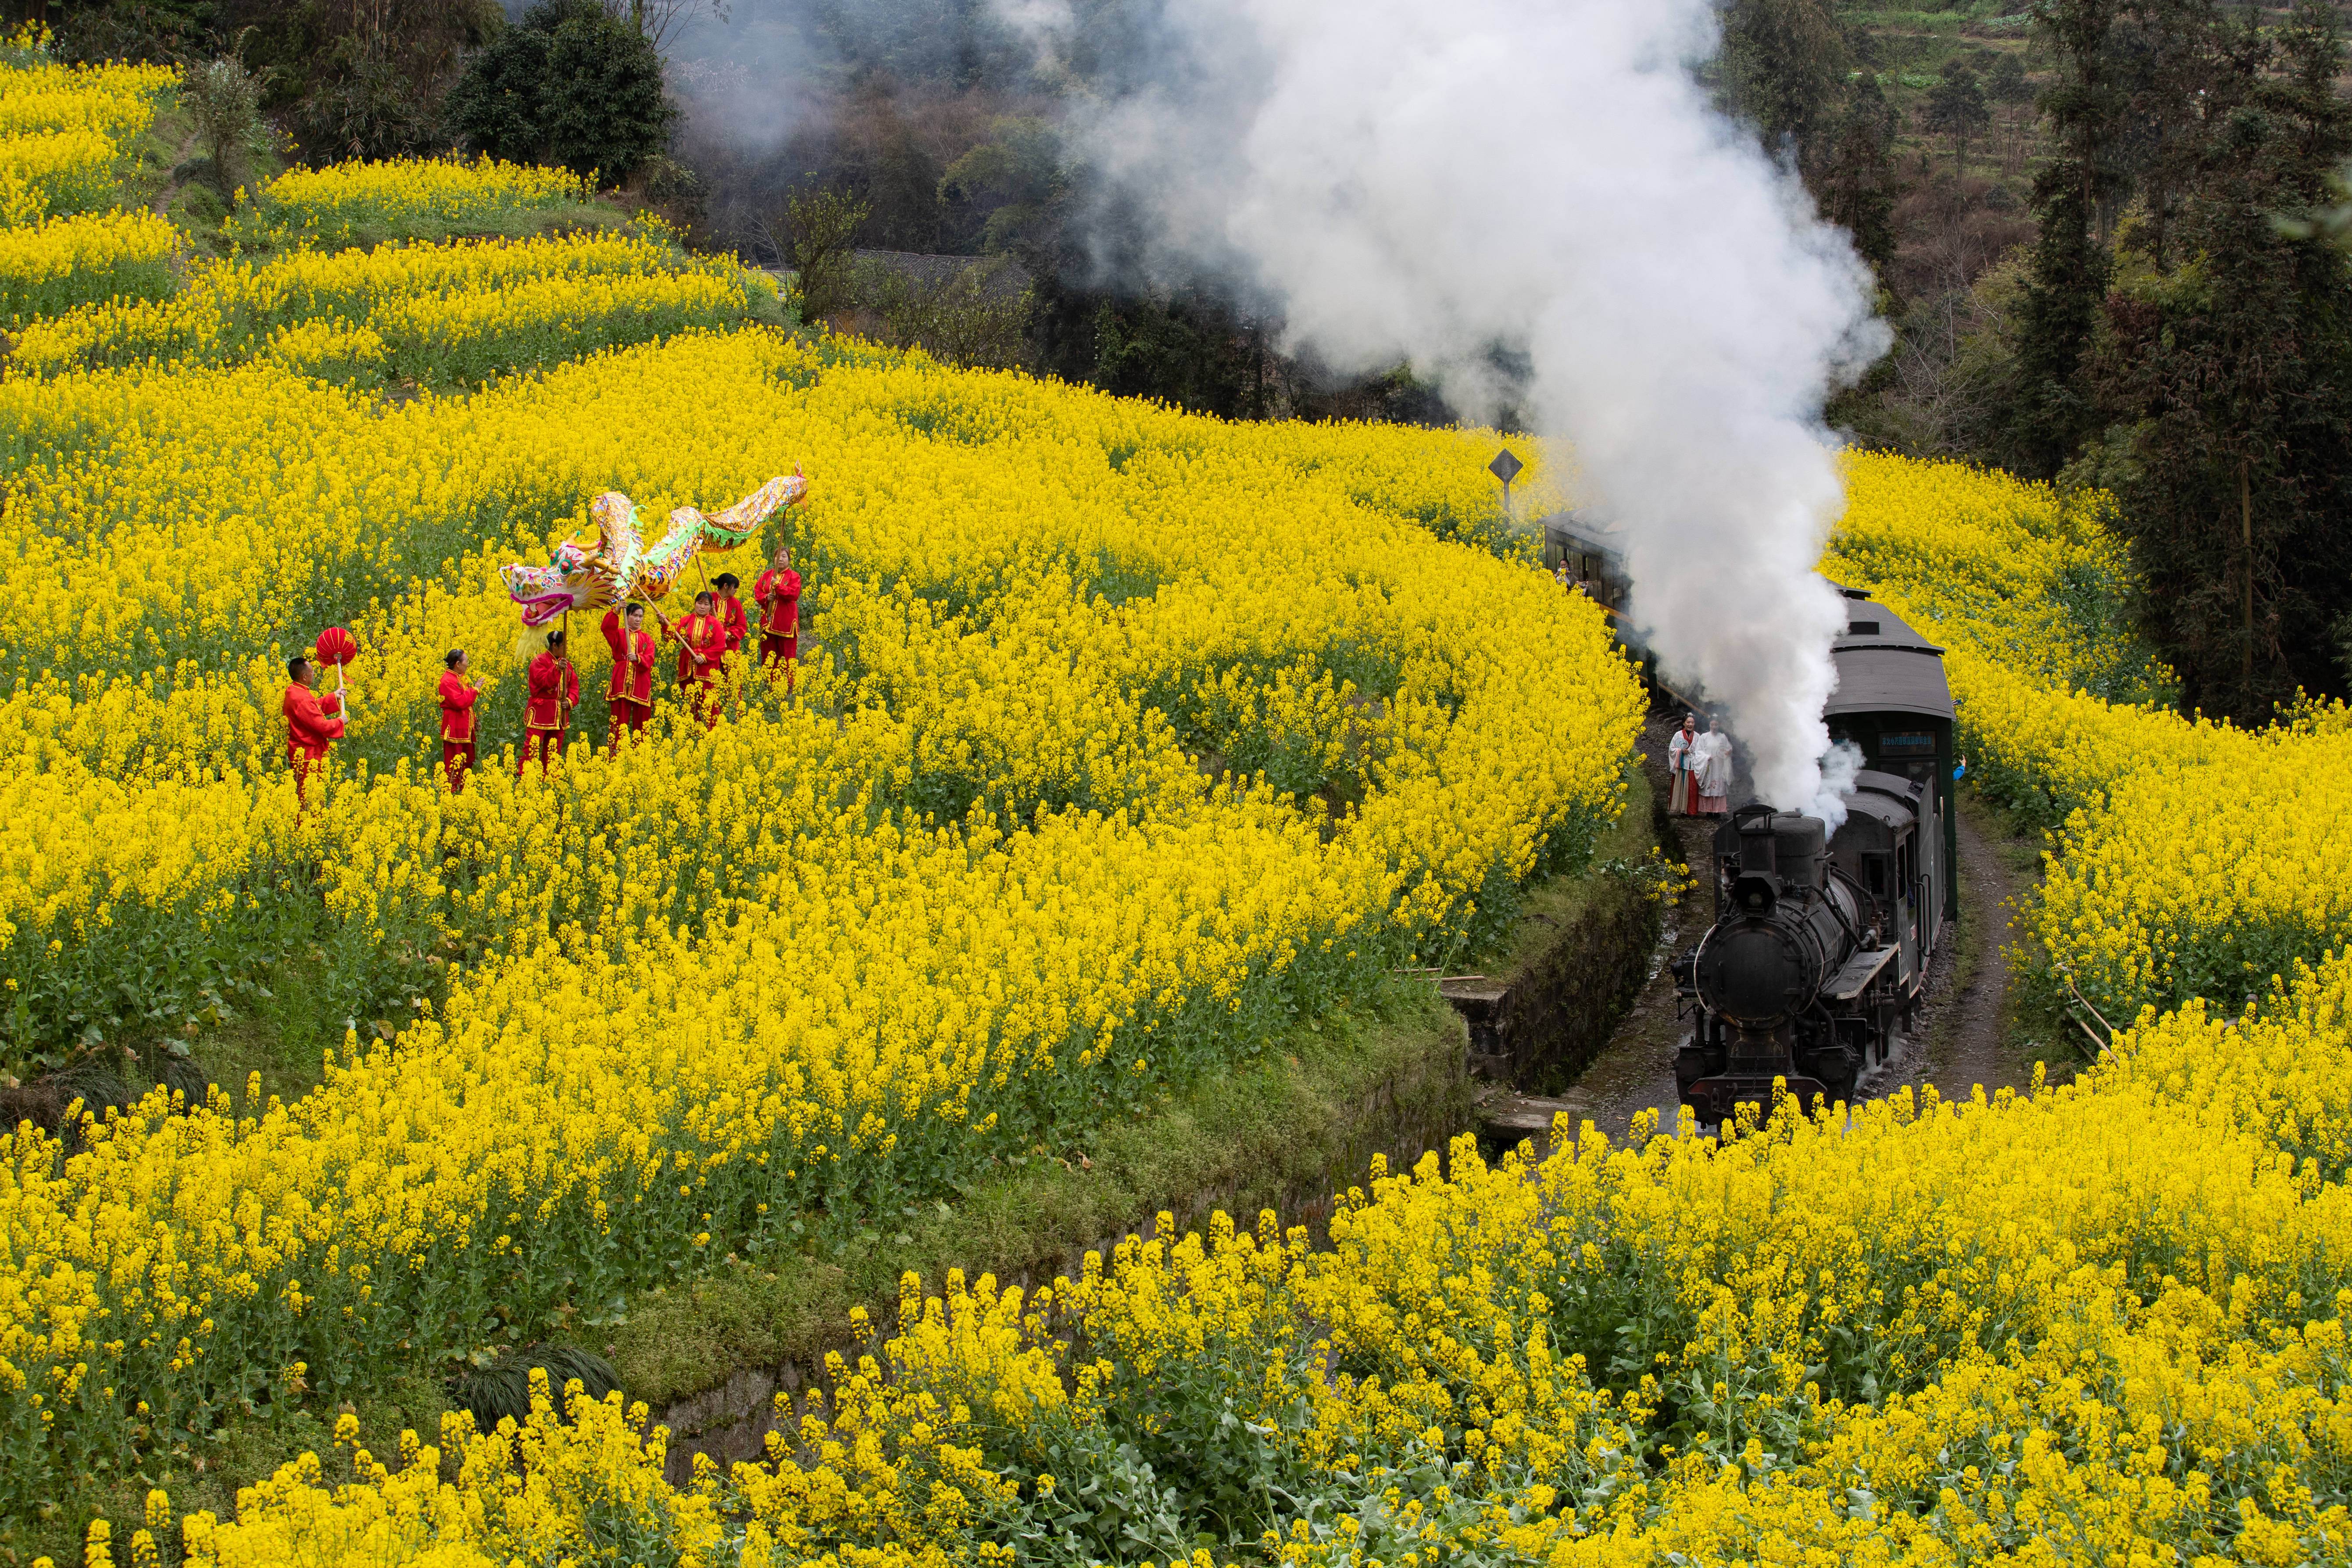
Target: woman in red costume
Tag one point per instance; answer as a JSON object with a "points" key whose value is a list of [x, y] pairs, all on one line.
{"points": [[701, 656], [554, 692], [778, 594], [457, 700], [631, 690]]}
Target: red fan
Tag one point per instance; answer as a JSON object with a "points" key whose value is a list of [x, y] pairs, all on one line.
{"points": [[337, 648]]}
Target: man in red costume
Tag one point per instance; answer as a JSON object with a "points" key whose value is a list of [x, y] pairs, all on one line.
{"points": [[730, 614], [312, 723], [457, 700], [554, 692], [778, 594], [701, 656], [631, 692]]}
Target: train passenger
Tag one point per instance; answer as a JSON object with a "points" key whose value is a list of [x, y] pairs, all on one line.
{"points": [[778, 594], [1678, 798], [554, 692], [457, 698], [1710, 763], [631, 691]]}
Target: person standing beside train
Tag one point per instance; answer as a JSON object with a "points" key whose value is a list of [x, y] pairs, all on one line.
{"points": [[1709, 760], [1678, 796]]}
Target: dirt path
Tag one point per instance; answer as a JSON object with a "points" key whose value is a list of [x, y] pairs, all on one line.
{"points": [[172, 186], [1958, 1038]]}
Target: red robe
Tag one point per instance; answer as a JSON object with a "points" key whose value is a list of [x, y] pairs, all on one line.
{"points": [[730, 614], [313, 721], [633, 672], [705, 634], [554, 693], [779, 595], [458, 701]]}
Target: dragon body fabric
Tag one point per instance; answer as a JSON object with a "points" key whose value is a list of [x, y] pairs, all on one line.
{"points": [[608, 562]]}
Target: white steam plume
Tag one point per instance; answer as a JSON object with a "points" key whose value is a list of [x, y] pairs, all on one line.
{"points": [[1430, 181], [1840, 767]]}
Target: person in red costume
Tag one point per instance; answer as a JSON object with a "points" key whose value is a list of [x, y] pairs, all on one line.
{"points": [[701, 656], [778, 594], [631, 691], [457, 700], [312, 724], [554, 692], [730, 612]]}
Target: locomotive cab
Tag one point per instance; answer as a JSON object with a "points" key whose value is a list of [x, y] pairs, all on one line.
{"points": [[1887, 847]]}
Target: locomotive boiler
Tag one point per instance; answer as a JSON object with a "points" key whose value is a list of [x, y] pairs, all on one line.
{"points": [[1822, 944]]}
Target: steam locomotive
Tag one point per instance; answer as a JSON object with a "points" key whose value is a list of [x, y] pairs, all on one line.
{"points": [[1822, 945]]}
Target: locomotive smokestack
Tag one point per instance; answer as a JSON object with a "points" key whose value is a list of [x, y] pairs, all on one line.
{"points": [[1533, 203]]}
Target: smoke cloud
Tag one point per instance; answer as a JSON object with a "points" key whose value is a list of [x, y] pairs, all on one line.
{"points": [[1840, 767], [1541, 182]]}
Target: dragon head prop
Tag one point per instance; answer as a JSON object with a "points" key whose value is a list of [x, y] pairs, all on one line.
{"points": [[607, 563]]}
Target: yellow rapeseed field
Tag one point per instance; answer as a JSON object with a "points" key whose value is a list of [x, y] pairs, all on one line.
{"points": [[342, 204], [443, 313], [1122, 737], [2096, 1323], [974, 884]]}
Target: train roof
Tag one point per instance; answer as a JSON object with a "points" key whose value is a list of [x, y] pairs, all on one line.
{"points": [[1891, 799], [1885, 666]]}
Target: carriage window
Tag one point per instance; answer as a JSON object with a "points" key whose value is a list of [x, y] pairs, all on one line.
{"points": [[1862, 628], [1874, 874], [1908, 743]]}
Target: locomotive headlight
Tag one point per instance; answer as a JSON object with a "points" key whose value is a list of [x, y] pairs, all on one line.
{"points": [[1755, 895]]}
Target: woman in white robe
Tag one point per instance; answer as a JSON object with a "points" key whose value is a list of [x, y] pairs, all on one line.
{"points": [[1678, 798], [1710, 763]]}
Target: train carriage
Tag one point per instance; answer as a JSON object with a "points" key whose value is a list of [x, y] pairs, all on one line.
{"points": [[1822, 943]]}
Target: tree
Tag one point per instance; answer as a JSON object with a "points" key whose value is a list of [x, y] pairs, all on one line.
{"points": [[2005, 82], [1855, 182], [1788, 68], [817, 233], [657, 20], [357, 78], [1955, 107], [570, 84], [2043, 414], [223, 99], [1016, 174], [2234, 371], [1784, 67]]}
